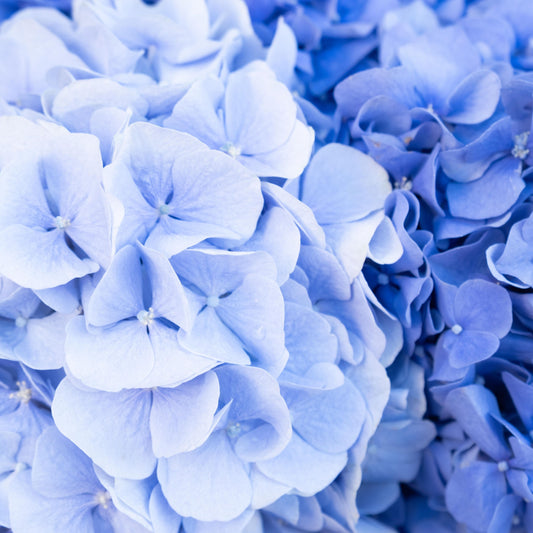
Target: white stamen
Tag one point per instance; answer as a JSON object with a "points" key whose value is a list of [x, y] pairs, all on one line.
{"points": [[164, 209], [233, 430], [23, 395], [457, 329], [212, 301], [21, 322], [405, 183], [383, 279], [520, 142], [146, 317], [231, 150], [102, 498], [61, 223], [503, 466]]}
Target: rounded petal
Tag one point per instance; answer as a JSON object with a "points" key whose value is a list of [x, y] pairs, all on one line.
{"points": [[40, 259], [483, 306], [181, 418], [343, 184], [101, 424], [303, 467], [109, 359], [473, 493], [209, 483]]}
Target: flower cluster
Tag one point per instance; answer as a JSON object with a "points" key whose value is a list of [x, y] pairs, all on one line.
{"points": [[267, 266]]}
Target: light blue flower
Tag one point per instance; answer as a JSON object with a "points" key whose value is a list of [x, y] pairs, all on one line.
{"points": [[168, 421], [481, 315], [24, 413], [239, 307], [128, 337], [218, 480], [176, 192], [30, 331], [453, 93], [29, 51], [252, 117], [505, 466], [61, 492], [55, 221], [395, 451], [176, 40]]}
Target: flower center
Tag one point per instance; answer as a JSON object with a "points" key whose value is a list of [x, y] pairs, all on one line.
{"points": [[457, 329], [520, 142], [405, 183], [383, 279], [233, 430], [23, 395], [212, 301], [21, 322], [164, 209], [102, 498], [503, 466], [61, 223], [146, 317], [231, 150]]}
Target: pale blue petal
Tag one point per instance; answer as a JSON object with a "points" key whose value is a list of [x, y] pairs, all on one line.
{"points": [[32, 512], [303, 467], [39, 259], [60, 469], [100, 423], [343, 185], [173, 363], [181, 418], [475, 98], [196, 112], [164, 519], [211, 338], [254, 313], [472, 407], [330, 421], [210, 483], [119, 294], [109, 359], [473, 492], [260, 111], [272, 224], [256, 404]]}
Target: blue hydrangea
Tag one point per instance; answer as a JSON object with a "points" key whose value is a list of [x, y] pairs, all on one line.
{"points": [[266, 266]]}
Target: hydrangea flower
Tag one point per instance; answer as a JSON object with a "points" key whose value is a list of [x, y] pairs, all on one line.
{"points": [[265, 266], [55, 220], [480, 317], [218, 480], [62, 491], [252, 117], [31, 332], [168, 421], [175, 192], [239, 307], [128, 337]]}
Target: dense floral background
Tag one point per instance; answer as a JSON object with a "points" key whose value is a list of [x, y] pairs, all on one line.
{"points": [[266, 266]]}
